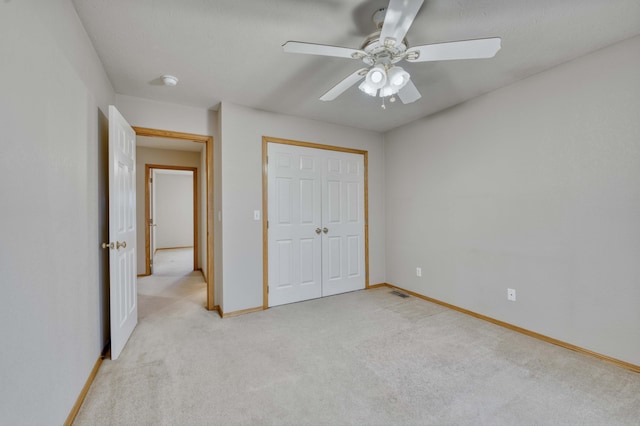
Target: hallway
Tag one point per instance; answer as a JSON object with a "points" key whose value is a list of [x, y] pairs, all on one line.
{"points": [[172, 281]]}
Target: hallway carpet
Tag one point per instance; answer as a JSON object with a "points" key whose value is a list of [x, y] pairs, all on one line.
{"points": [[173, 278], [361, 358]]}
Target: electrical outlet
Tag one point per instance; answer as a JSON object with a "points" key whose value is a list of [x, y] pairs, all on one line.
{"points": [[511, 294], [418, 272]]}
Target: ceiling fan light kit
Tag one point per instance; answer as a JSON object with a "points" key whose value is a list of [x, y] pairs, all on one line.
{"points": [[384, 82], [382, 49]]}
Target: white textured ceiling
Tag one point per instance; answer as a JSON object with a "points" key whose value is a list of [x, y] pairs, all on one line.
{"points": [[230, 50]]}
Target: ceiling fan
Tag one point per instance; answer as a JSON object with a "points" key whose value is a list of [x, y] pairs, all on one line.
{"points": [[386, 47]]}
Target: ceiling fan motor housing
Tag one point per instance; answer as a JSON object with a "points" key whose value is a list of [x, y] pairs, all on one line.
{"points": [[377, 49], [377, 52]]}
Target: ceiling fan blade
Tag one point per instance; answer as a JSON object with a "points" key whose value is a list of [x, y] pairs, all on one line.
{"points": [[398, 18], [409, 93], [467, 49], [339, 88], [320, 49]]}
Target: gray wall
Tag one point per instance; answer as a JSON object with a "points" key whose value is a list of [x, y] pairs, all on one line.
{"points": [[535, 187], [242, 130], [166, 116], [53, 105], [217, 202]]}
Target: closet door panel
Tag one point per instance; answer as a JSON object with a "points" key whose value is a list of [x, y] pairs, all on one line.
{"points": [[343, 218], [316, 223], [294, 197]]}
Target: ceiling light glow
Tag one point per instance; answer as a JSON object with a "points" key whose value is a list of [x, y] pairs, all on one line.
{"points": [[398, 77], [382, 82], [377, 76], [387, 91]]}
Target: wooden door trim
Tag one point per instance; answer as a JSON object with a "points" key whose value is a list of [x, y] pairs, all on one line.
{"points": [[147, 212], [208, 141], [265, 205]]}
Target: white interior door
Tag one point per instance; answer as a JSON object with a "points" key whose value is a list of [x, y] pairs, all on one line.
{"points": [[343, 260], [294, 185], [122, 230], [316, 223]]}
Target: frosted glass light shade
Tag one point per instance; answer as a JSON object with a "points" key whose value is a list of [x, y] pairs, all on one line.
{"points": [[368, 89], [398, 78], [387, 90], [377, 77]]}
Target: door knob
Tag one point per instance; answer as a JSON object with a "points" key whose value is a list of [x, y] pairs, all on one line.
{"points": [[325, 230], [107, 245], [318, 230], [120, 244]]}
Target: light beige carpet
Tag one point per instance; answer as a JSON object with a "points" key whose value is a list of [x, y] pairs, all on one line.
{"points": [[362, 358], [173, 278]]}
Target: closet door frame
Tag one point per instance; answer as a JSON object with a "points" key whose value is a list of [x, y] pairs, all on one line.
{"points": [[265, 205]]}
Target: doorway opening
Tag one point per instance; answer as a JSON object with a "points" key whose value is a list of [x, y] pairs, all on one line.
{"points": [[171, 214], [162, 137]]}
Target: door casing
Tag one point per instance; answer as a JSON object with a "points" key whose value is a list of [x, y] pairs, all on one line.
{"points": [[208, 141], [265, 206]]}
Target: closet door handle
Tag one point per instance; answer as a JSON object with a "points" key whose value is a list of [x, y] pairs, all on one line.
{"points": [[325, 230], [318, 230]]}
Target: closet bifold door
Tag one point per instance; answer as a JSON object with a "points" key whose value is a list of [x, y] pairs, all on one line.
{"points": [[316, 223], [343, 264], [294, 215]]}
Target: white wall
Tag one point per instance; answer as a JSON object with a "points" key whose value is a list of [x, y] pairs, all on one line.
{"points": [[535, 187], [164, 157], [242, 130], [174, 210], [54, 95]]}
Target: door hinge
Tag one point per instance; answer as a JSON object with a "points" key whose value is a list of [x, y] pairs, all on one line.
{"points": [[150, 180], [267, 224], [267, 289]]}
